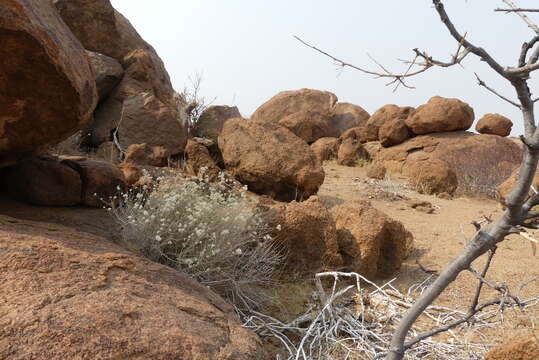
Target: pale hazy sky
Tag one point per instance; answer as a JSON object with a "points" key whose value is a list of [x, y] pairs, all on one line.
{"points": [[246, 54]]}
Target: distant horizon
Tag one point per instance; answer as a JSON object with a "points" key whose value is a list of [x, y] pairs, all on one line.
{"points": [[246, 53]]}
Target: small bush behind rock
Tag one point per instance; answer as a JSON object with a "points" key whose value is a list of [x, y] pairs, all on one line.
{"points": [[207, 231]]}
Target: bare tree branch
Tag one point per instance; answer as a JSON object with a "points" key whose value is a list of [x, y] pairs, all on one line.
{"points": [[483, 84], [523, 16], [527, 46], [480, 52], [516, 10], [428, 63]]}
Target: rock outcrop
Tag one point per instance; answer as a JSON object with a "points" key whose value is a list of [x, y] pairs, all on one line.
{"points": [[432, 176], [143, 107], [355, 133], [66, 294], [308, 125], [101, 180], [325, 148], [441, 115], [289, 102], [393, 132], [108, 72], [270, 159], [383, 115], [346, 116], [370, 242], [48, 88], [63, 181], [42, 181], [485, 160], [211, 121], [494, 124], [307, 232]]}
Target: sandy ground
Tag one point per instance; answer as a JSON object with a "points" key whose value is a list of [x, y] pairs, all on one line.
{"points": [[441, 236]]}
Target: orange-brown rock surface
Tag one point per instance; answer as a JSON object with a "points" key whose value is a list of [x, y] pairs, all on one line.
{"points": [[370, 242], [67, 294], [494, 124], [47, 86], [346, 116], [383, 115], [270, 159], [440, 115]]}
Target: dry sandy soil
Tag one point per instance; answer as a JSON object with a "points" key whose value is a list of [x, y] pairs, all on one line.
{"points": [[439, 237]]}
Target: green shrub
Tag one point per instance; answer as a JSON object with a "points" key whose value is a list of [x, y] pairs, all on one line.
{"points": [[209, 231]]}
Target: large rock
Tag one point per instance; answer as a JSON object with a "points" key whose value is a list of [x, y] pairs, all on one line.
{"points": [[432, 176], [350, 152], [211, 121], [145, 91], [47, 88], [308, 235], [383, 115], [441, 115], [494, 124], [308, 125], [147, 120], [108, 72], [356, 133], [94, 23], [289, 102], [101, 180], [66, 294], [524, 346], [42, 181], [325, 148], [143, 154], [370, 242], [346, 116], [393, 132], [480, 162], [270, 159]]}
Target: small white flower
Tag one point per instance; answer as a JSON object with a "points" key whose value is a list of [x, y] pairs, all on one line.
{"points": [[279, 227], [158, 238], [238, 251]]}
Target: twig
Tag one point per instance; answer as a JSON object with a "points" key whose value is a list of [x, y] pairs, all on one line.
{"points": [[483, 84], [516, 10], [521, 13]]}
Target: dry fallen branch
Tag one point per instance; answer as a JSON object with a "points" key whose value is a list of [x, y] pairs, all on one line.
{"points": [[352, 322]]}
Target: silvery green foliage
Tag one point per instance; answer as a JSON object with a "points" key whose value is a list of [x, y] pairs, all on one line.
{"points": [[209, 231]]}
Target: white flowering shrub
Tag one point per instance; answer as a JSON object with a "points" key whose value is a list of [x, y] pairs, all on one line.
{"points": [[209, 231]]}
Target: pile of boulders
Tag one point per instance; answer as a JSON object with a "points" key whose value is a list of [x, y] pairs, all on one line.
{"points": [[350, 237], [136, 101]]}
